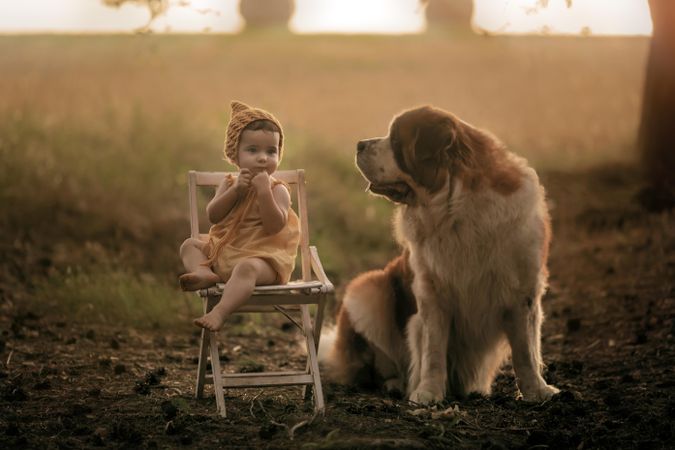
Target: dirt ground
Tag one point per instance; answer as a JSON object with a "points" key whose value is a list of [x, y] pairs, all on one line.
{"points": [[608, 342]]}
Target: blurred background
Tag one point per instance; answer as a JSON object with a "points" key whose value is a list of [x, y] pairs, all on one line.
{"points": [[105, 105]]}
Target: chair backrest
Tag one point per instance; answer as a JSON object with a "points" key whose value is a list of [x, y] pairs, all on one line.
{"points": [[295, 178]]}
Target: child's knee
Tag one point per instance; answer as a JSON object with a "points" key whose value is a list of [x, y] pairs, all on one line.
{"points": [[245, 269], [190, 243]]}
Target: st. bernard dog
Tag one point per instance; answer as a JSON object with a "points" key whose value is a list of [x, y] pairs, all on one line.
{"points": [[466, 291]]}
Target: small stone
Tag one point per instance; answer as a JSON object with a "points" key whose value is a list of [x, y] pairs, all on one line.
{"points": [[268, 430], [43, 385], [12, 429], [169, 409], [104, 362], [612, 399], [539, 438], [142, 388], [251, 367], [640, 338], [628, 378], [573, 325], [602, 385], [95, 392], [79, 409], [16, 394]]}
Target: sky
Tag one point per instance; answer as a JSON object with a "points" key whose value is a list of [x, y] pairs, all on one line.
{"points": [[594, 17]]}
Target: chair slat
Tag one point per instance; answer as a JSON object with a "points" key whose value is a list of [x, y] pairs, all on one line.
{"points": [[215, 178], [291, 285], [263, 382], [251, 380]]}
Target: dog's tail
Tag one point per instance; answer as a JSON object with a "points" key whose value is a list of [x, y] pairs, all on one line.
{"points": [[327, 344], [344, 355]]}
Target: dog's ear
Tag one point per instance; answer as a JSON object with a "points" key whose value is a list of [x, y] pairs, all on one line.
{"points": [[477, 158], [428, 152]]}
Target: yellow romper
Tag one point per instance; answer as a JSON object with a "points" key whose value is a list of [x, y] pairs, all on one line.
{"points": [[240, 235]]}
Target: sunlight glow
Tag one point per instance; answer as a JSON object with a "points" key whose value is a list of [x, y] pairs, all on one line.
{"points": [[586, 17], [358, 16], [87, 16]]}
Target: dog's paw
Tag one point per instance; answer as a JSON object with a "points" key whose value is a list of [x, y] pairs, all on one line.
{"points": [[424, 397], [540, 394]]}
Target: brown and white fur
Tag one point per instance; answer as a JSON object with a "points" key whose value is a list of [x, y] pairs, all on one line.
{"points": [[473, 224]]}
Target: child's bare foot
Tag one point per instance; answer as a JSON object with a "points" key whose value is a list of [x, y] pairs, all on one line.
{"points": [[213, 321], [194, 280]]}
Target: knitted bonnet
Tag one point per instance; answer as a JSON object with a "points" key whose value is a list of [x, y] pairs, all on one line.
{"points": [[240, 117]]}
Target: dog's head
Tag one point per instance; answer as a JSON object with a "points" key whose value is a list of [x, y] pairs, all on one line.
{"points": [[426, 146], [416, 155]]}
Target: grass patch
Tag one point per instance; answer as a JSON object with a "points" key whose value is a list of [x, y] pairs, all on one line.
{"points": [[115, 297]]}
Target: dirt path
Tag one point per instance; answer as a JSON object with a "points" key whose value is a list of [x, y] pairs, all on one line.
{"points": [[608, 341]]}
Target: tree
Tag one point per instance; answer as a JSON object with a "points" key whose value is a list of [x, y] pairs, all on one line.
{"points": [[256, 13], [456, 14], [266, 13], [657, 126], [656, 136], [155, 7]]}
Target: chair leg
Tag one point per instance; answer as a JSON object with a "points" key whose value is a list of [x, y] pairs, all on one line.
{"points": [[203, 355], [312, 360], [201, 365], [217, 374], [307, 388], [318, 320]]}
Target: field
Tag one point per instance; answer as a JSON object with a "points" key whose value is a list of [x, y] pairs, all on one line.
{"points": [[97, 134]]}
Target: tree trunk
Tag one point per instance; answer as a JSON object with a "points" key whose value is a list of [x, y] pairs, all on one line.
{"points": [[266, 13], [657, 128], [456, 14]]}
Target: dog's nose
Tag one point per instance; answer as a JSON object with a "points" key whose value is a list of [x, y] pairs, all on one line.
{"points": [[361, 146]]}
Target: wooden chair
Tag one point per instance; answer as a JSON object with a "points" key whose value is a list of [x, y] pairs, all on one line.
{"points": [[292, 298]]}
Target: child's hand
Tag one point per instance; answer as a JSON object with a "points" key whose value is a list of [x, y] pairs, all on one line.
{"points": [[243, 181], [261, 182]]}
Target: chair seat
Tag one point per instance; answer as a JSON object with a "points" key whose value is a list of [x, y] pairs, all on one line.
{"points": [[295, 287], [293, 293]]}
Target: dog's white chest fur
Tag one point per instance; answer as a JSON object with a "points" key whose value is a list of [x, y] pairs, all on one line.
{"points": [[468, 242]]}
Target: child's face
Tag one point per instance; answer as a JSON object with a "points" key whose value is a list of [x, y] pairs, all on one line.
{"points": [[258, 150]]}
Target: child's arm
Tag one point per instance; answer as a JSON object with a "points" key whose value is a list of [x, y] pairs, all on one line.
{"points": [[273, 203], [226, 196]]}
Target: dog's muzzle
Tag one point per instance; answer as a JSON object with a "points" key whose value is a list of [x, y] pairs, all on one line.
{"points": [[394, 190]]}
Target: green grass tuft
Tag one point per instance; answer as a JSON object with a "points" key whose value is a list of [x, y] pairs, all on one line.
{"points": [[115, 297]]}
